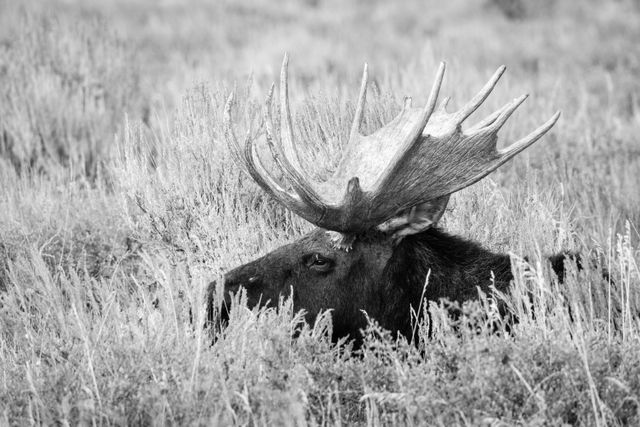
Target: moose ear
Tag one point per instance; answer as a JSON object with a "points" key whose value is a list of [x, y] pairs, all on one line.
{"points": [[415, 219]]}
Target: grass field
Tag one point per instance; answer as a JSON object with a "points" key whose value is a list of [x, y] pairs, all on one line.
{"points": [[119, 203]]}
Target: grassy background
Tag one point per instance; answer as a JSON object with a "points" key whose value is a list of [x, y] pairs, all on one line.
{"points": [[119, 203]]}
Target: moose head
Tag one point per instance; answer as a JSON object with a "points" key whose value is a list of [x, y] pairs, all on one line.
{"points": [[377, 238]]}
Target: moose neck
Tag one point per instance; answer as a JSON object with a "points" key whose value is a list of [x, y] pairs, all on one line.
{"points": [[456, 268]]}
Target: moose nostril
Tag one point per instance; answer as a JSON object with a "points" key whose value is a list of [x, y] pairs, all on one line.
{"points": [[234, 286], [231, 286]]}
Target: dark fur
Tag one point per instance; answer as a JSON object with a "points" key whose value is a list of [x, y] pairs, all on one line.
{"points": [[384, 280], [456, 268]]}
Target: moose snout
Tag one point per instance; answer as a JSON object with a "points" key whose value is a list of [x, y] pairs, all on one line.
{"points": [[233, 282]]}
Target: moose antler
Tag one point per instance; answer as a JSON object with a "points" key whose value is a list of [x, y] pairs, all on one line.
{"points": [[420, 156]]}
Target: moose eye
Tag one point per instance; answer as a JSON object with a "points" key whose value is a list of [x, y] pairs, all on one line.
{"points": [[318, 263]]}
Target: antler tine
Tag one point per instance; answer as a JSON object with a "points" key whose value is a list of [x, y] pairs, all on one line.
{"points": [[268, 183], [272, 187], [249, 158], [442, 108], [509, 152], [435, 89], [275, 149], [477, 100], [240, 152], [259, 173], [415, 132], [287, 148], [488, 120], [494, 122], [230, 136], [268, 126], [286, 128], [427, 110], [357, 118], [516, 147]]}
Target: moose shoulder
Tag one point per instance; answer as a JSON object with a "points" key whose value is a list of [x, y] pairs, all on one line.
{"points": [[377, 238]]}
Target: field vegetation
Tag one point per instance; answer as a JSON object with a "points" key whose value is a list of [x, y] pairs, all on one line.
{"points": [[119, 203]]}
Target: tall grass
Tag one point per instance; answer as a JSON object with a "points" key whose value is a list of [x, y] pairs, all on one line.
{"points": [[103, 270], [66, 86]]}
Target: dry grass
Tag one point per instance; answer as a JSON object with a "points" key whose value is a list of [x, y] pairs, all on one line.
{"points": [[119, 204]]}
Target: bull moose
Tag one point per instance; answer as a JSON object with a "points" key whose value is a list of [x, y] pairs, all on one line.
{"points": [[377, 238]]}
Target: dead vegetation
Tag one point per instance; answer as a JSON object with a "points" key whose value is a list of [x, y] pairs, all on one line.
{"points": [[119, 204]]}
